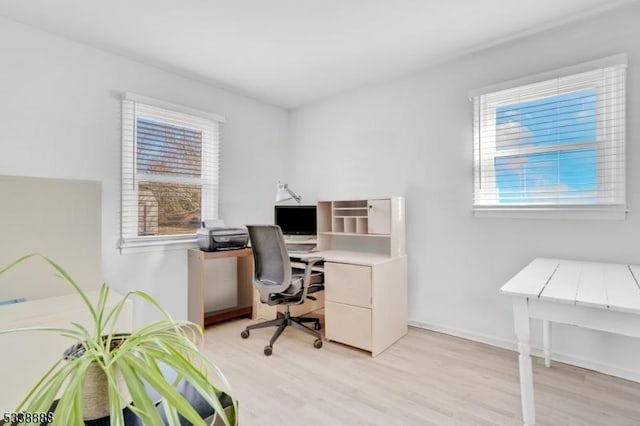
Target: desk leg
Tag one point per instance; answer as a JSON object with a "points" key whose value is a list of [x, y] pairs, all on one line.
{"points": [[546, 338], [195, 287], [523, 332]]}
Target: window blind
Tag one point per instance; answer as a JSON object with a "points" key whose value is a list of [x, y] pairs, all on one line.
{"points": [[557, 143], [170, 171]]}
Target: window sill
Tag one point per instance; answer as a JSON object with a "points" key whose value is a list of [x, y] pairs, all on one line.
{"points": [[550, 213], [143, 245]]}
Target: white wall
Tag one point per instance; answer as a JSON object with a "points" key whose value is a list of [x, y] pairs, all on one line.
{"points": [[60, 117], [413, 137]]}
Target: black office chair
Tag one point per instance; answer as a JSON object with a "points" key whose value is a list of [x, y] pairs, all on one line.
{"points": [[279, 284]]}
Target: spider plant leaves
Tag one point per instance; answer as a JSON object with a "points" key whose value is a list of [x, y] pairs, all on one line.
{"points": [[196, 378], [70, 408], [141, 358], [143, 406], [160, 384]]}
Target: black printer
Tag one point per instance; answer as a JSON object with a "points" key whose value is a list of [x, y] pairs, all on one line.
{"points": [[221, 238]]}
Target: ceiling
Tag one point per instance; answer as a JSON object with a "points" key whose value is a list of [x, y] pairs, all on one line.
{"points": [[293, 52]]}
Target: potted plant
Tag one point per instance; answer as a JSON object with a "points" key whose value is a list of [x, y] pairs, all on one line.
{"points": [[122, 367]]}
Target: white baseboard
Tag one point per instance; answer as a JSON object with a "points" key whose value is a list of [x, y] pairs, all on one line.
{"points": [[589, 364]]}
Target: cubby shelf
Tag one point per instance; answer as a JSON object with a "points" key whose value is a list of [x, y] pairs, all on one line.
{"points": [[379, 218]]}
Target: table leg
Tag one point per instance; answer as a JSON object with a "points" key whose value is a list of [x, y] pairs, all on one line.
{"points": [[523, 333], [546, 338]]}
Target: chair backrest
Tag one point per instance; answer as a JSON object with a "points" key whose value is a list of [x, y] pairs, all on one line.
{"points": [[272, 268]]}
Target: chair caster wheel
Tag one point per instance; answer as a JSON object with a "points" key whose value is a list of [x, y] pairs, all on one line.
{"points": [[244, 334], [268, 350], [316, 326], [317, 343]]}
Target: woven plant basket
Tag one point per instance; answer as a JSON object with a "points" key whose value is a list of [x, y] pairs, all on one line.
{"points": [[95, 392], [95, 395]]}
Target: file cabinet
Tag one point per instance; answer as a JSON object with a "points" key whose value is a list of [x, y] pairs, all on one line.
{"points": [[366, 302]]}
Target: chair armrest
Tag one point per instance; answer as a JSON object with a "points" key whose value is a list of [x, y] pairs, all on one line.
{"points": [[310, 261]]}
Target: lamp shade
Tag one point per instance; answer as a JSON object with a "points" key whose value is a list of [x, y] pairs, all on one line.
{"points": [[284, 193]]}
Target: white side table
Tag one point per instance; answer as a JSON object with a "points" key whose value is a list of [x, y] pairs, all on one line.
{"points": [[601, 296]]}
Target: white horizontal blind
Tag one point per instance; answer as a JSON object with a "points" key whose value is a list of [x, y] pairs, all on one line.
{"points": [[553, 144], [170, 164]]}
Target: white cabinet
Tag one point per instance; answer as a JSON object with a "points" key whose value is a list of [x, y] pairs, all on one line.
{"points": [[366, 305], [365, 271], [379, 216]]}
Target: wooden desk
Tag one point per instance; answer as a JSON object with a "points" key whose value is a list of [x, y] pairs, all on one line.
{"points": [[601, 296], [196, 284]]}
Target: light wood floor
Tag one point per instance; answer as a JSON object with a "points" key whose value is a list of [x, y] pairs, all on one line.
{"points": [[426, 378]]}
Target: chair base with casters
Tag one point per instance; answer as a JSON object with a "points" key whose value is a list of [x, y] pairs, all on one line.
{"points": [[282, 323], [284, 320]]}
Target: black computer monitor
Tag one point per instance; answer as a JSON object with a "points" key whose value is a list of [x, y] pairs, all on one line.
{"points": [[296, 220]]}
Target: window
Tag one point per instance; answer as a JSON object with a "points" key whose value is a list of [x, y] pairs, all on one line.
{"points": [[553, 145], [170, 162]]}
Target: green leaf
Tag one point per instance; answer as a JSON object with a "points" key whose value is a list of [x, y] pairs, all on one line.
{"points": [[166, 390], [102, 302], [66, 412], [200, 382], [170, 412], [145, 408], [17, 262], [116, 416], [42, 399]]}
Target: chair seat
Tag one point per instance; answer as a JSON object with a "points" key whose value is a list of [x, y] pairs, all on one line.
{"points": [[294, 290], [317, 277]]}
